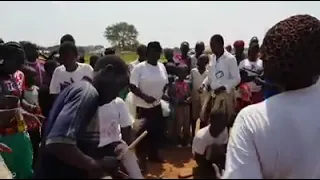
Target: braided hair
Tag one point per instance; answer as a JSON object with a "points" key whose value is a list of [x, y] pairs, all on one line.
{"points": [[12, 57], [291, 52]]}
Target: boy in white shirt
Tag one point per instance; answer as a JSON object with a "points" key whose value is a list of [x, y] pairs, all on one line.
{"points": [[197, 76], [115, 124], [209, 145]]}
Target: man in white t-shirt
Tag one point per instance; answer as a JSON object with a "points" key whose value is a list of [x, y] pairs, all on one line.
{"points": [[279, 137], [70, 71], [115, 124], [142, 56]]}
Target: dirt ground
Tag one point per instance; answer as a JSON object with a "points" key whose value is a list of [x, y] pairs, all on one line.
{"points": [[176, 159]]}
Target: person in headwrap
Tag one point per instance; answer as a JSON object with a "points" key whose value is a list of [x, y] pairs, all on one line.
{"points": [[14, 121], [238, 50], [278, 138]]}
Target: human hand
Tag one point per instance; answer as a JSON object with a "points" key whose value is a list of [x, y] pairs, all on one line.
{"points": [[219, 90], [149, 99]]}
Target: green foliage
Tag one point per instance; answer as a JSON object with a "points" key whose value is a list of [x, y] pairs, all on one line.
{"points": [[122, 35]]}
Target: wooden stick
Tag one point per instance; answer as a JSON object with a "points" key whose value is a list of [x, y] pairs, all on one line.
{"points": [[133, 144], [137, 141]]}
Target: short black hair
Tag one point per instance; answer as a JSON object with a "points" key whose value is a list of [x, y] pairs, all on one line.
{"points": [[14, 51], [1, 40], [141, 48], [27, 46], [93, 60], [67, 38], [185, 43], [217, 38], [155, 45], [81, 59], [109, 51], [49, 64], [67, 47], [119, 66]]}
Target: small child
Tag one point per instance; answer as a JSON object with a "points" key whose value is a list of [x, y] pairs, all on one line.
{"points": [[115, 125], [30, 96], [180, 93], [197, 77], [209, 145], [30, 93]]}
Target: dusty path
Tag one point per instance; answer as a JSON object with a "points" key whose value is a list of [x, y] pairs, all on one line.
{"points": [[176, 159]]}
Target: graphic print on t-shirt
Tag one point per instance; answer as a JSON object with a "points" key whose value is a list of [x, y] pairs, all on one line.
{"points": [[65, 84]]}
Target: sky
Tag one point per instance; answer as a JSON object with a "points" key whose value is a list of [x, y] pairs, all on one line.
{"points": [[170, 23]]}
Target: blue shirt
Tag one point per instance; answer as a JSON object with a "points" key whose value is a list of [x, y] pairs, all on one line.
{"points": [[68, 122]]}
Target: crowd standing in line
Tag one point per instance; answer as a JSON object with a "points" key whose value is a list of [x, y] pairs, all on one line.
{"points": [[63, 118]]}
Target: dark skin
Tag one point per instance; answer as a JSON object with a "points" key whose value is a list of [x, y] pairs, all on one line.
{"points": [[252, 57], [203, 60], [168, 54], [229, 48], [70, 153], [184, 48], [182, 74], [199, 48], [142, 53], [31, 53], [69, 61], [217, 125], [152, 58], [218, 49]]}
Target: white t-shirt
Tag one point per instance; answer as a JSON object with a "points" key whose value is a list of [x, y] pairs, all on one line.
{"points": [[60, 76], [133, 64], [151, 80], [112, 117], [197, 79], [277, 138], [31, 95], [203, 140], [251, 67]]}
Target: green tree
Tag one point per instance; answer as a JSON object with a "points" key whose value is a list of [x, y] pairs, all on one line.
{"points": [[122, 35]]}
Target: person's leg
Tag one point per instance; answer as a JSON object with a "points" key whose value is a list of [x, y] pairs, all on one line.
{"points": [[129, 161], [35, 140], [156, 131], [196, 108], [186, 125], [178, 125], [20, 160]]}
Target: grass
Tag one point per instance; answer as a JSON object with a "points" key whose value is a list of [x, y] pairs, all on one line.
{"points": [[126, 56]]}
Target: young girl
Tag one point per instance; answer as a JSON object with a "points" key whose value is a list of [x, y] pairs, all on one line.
{"points": [[181, 99], [197, 77]]}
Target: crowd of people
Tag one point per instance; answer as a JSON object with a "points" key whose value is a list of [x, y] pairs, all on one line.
{"points": [[63, 118]]}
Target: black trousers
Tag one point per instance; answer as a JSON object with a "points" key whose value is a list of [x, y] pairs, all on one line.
{"points": [[155, 125]]}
